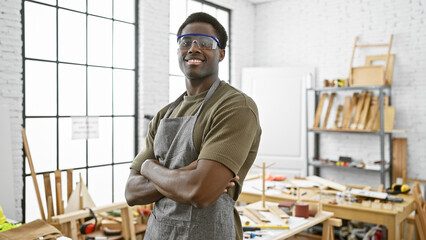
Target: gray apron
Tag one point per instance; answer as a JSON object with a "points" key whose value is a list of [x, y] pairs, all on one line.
{"points": [[174, 148]]}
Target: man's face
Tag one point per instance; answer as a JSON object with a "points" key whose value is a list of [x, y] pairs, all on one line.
{"points": [[197, 63]]}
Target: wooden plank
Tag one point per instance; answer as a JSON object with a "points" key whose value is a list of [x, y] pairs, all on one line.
{"points": [[389, 114], [75, 215], [374, 112], [399, 158], [69, 183], [252, 216], [48, 193], [364, 112], [33, 175], [58, 185], [327, 183], [358, 109], [368, 76], [319, 109], [346, 112], [330, 104], [257, 214], [338, 113], [389, 70], [277, 211]]}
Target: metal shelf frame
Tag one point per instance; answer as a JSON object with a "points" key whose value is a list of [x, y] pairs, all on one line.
{"points": [[381, 133]]}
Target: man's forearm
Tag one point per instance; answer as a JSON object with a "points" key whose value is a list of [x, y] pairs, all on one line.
{"points": [[139, 190], [190, 185]]}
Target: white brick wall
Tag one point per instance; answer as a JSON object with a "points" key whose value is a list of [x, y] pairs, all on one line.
{"points": [[321, 34], [11, 84]]}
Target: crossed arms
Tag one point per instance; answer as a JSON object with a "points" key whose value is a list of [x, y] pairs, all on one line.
{"points": [[200, 184]]}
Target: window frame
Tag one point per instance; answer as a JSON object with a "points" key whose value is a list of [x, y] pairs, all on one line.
{"points": [[86, 65], [228, 46]]}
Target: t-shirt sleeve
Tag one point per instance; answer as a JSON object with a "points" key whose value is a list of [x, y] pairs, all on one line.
{"points": [[148, 151], [231, 137]]}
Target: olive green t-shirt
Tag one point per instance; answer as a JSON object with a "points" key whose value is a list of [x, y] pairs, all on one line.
{"points": [[227, 130]]}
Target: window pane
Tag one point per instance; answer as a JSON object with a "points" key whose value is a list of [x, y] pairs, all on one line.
{"points": [[209, 9], [72, 152], [100, 185], [124, 45], [223, 18], [72, 90], [176, 87], [100, 41], [193, 6], [41, 136], [224, 67], [100, 91], [100, 149], [177, 14], [72, 36], [173, 56], [79, 5], [100, 7], [124, 10], [124, 139], [121, 173], [52, 2], [40, 31], [32, 211], [40, 88], [124, 92]]}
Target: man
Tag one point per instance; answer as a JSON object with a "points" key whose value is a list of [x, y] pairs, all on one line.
{"points": [[198, 148]]}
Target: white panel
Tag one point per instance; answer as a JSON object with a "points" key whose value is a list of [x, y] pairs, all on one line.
{"points": [[279, 94]]}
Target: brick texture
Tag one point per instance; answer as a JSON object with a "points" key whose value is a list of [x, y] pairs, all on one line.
{"points": [[11, 84], [321, 34]]}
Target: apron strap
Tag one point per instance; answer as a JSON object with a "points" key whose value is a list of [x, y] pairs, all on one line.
{"points": [[180, 98], [209, 95]]}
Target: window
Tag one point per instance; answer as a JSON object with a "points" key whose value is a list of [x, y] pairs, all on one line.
{"points": [[80, 95], [179, 10]]}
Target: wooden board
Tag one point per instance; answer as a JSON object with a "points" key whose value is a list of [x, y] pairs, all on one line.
{"points": [[319, 109], [327, 183], [338, 113], [347, 110], [372, 116], [358, 109], [69, 183], [48, 193], [330, 104], [389, 70], [399, 158], [368, 76], [58, 184], [389, 113], [364, 112]]}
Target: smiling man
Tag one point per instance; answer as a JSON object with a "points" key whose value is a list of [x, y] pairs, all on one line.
{"points": [[198, 148]]}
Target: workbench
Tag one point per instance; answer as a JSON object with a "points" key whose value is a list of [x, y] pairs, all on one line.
{"points": [[392, 219]]}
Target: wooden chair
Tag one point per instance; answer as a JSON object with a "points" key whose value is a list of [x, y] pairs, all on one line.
{"points": [[420, 217]]}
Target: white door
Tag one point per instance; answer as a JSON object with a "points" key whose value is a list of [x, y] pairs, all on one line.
{"points": [[280, 97]]}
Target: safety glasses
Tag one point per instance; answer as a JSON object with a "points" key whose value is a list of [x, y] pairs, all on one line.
{"points": [[204, 41]]}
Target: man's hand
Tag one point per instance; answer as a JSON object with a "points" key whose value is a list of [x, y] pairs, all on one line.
{"points": [[231, 183]]}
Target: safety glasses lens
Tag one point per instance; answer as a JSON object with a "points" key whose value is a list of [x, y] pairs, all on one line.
{"points": [[203, 42]]}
